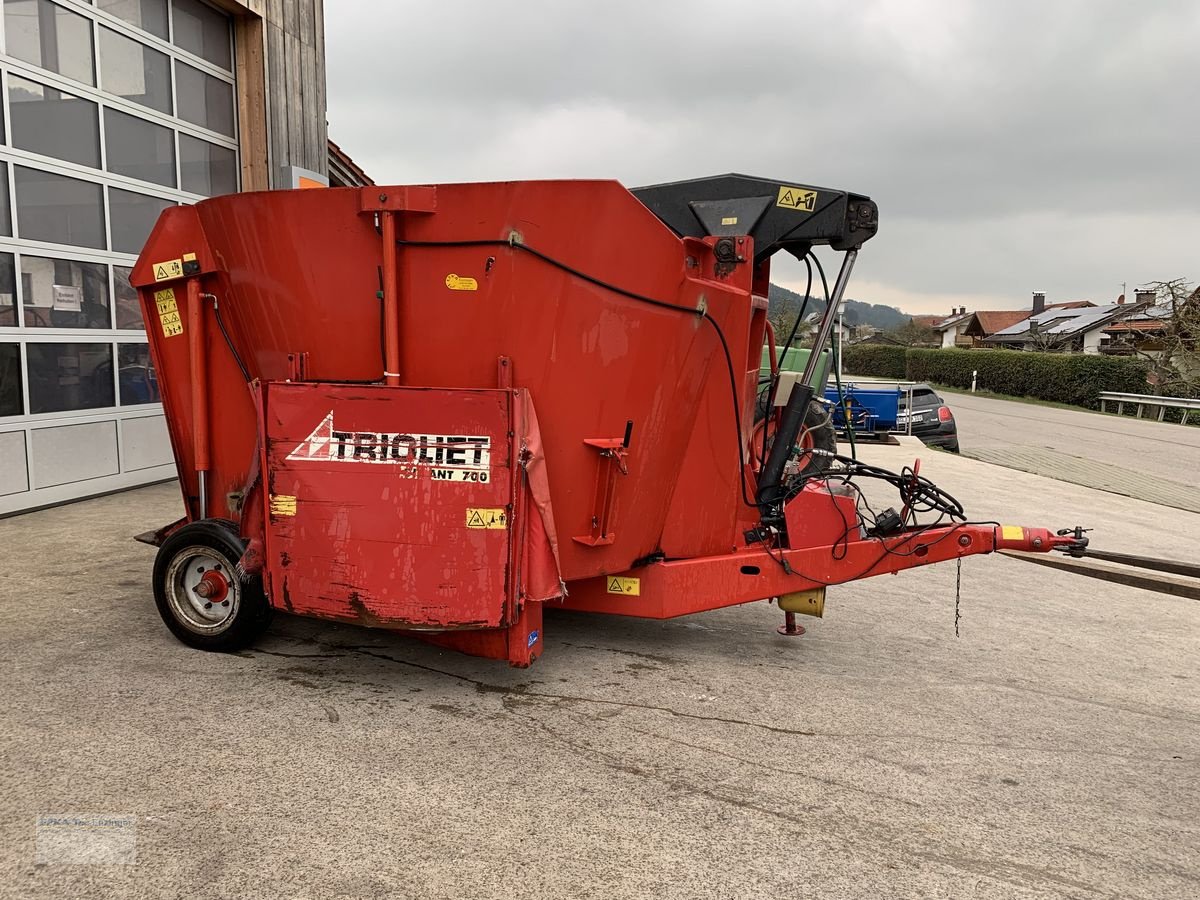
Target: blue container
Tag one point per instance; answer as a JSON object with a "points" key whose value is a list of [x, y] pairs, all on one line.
{"points": [[871, 408]]}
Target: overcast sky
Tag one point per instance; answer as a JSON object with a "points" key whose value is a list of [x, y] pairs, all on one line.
{"points": [[1011, 146]]}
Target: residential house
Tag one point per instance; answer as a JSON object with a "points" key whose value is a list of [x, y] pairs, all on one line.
{"points": [[964, 329], [863, 333], [968, 329], [1076, 327], [921, 327], [840, 332], [952, 328], [1143, 330]]}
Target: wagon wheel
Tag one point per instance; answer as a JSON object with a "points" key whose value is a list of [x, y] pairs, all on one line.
{"points": [[817, 432], [200, 594]]}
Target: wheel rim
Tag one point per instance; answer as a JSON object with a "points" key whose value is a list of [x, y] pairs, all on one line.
{"points": [[202, 590]]}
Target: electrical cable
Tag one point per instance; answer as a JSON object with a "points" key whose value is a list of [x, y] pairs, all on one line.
{"points": [[835, 357], [228, 341], [632, 295], [917, 492], [583, 276], [238, 359], [773, 381]]}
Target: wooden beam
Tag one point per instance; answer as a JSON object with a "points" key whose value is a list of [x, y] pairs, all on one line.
{"points": [[252, 101], [1176, 586]]}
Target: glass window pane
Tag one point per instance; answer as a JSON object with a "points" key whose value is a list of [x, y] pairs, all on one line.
{"points": [[148, 15], [5, 209], [138, 148], [205, 168], [49, 121], [135, 372], [64, 293], [132, 70], [11, 402], [131, 217], [129, 310], [47, 35], [202, 30], [60, 209], [69, 376], [203, 99], [8, 291]]}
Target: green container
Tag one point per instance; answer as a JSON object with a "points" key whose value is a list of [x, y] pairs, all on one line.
{"points": [[794, 361]]}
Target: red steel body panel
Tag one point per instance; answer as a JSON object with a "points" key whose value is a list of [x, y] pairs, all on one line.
{"points": [[299, 271], [371, 493]]}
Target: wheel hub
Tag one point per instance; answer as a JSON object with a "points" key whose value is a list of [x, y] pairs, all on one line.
{"points": [[202, 590], [213, 587]]}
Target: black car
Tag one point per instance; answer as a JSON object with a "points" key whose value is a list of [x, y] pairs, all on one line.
{"points": [[931, 419]]}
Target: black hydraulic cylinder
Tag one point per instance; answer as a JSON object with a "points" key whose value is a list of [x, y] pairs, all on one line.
{"points": [[770, 483]]}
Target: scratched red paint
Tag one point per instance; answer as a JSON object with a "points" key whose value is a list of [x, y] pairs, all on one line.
{"points": [[387, 541]]}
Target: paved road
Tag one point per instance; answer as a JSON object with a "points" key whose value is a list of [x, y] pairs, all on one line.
{"points": [[1134, 457], [1049, 753]]}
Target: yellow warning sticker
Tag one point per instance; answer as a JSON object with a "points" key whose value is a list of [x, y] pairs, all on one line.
{"points": [[461, 283], [729, 220], [168, 312], [169, 268], [797, 198], [1012, 533], [189, 257], [630, 587], [487, 517], [283, 505]]}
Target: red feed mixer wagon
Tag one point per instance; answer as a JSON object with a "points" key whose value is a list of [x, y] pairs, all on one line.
{"points": [[439, 409]]}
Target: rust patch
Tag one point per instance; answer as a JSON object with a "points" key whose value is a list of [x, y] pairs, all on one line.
{"points": [[364, 615]]}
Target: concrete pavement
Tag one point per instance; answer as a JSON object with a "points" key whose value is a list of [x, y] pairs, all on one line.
{"points": [[1135, 457], [1052, 751]]}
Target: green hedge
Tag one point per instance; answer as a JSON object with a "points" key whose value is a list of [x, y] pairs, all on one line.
{"points": [[1074, 378], [881, 360]]}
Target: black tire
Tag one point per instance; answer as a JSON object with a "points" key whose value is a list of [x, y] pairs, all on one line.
{"points": [[818, 427], [208, 551]]}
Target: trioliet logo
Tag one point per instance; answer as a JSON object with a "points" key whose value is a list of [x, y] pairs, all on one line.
{"points": [[445, 457]]}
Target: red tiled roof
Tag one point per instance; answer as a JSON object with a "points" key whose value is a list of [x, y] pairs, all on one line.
{"points": [[993, 320], [1136, 325], [344, 158]]}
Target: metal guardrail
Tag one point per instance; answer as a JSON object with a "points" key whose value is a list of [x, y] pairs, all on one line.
{"points": [[1187, 404]]}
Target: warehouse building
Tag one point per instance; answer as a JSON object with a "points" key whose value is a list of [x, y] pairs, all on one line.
{"points": [[112, 111]]}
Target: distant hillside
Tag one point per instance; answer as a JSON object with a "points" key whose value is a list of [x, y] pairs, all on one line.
{"points": [[785, 304]]}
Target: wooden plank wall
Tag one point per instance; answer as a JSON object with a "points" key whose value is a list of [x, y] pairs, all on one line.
{"points": [[295, 70]]}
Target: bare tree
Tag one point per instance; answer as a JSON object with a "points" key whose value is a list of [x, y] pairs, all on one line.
{"points": [[1041, 340], [914, 334], [1175, 361]]}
